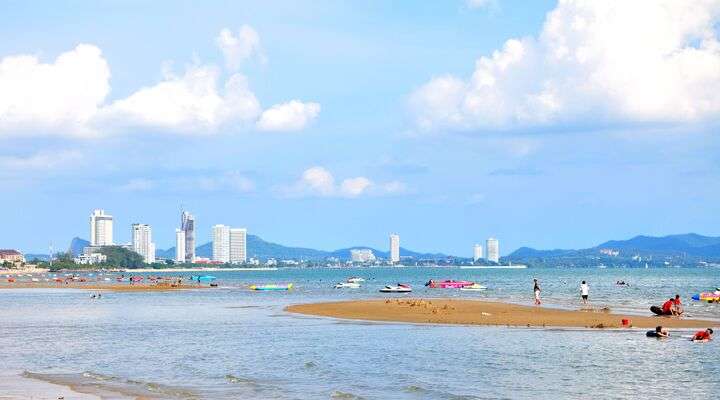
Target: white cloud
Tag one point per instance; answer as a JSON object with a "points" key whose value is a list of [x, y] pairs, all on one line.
{"points": [[594, 62], [230, 181], [318, 181], [59, 97], [480, 3], [291, 116], [43, 161], [238, 49], [191, 103], [68, 97]]}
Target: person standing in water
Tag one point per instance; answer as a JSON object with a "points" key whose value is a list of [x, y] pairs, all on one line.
{"points": [[536, 290], [584, 292]]}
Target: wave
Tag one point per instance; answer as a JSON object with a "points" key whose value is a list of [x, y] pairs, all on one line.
{"points": [[107, 386]]}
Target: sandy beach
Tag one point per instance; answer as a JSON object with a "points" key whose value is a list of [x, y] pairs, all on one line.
{"points": [[473, 312]]}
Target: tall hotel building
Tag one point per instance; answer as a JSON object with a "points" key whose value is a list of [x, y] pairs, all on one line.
{"points": [[477, 252], [101, 228], [229, 244], [493, 250], [238, 245], [142, 242], [221, 243], [187, 224], [394, 248], [179, 246]]}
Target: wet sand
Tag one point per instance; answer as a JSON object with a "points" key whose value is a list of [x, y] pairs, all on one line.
{"points": [[473, 312], [19, 387]]}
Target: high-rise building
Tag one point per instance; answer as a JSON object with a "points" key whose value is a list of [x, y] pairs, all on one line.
{"points": [[362, 255], [101, 228], [477, 252], [493, 250], [221, 243], [179, 246], [238, 245], [142, 242], [394, 248], [188, 226]]}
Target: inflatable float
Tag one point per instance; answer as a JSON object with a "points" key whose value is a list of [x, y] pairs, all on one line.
{"points": [[710, 297]]}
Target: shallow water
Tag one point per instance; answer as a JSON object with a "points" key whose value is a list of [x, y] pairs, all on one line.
{"points": [[232, 343]]}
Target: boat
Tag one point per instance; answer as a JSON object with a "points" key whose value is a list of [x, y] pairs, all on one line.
{"points": [[448, 284], [272, 286], [475, 287], [347, 285], [355, 279], [399, 288]]}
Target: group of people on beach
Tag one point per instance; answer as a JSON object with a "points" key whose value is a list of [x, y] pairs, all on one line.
{"points": [[672, 307]]}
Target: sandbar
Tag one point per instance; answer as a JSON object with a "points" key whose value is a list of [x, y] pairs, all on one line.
{"points": [[474, 312]]}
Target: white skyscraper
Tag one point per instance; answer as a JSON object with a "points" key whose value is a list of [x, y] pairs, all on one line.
{"points": [[394, 248], [142, 242], [179, 246], [187, 224], [221, 243], [477, 252], [493, 250], [238, 245], [101, 228]]}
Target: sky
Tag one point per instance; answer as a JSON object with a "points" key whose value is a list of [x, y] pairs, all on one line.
{"points": [[330, 124]]}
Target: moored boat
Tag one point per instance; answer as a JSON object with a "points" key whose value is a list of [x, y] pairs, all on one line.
{"points": [[347, 285], [448, 284], [272, 286], [475, 287], [355, 279], [399, 288]]}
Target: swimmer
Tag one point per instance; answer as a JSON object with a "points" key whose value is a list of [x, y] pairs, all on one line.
{"points": [[703, 336]]}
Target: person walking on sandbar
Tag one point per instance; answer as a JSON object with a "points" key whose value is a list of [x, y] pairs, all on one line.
{"points": [[584, 292], [536, 290]]}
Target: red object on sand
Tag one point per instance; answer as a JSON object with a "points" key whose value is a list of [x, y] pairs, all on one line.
{"points": [[625, 322]]}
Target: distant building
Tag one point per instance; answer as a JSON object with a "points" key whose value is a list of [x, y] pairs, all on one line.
{"points": [[187, 224], [101, 228], [493, 250], [11, 256], [238, 245], [221, 243], [142, 242], [477, 252], [362, 255], [394, 248], [179, 246], [90, 258]]}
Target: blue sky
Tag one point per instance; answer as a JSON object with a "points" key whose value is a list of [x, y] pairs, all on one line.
{"points": [[328, 124]]}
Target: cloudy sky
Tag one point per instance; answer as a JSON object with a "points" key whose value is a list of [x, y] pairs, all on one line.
{"points": [[334, 123]]}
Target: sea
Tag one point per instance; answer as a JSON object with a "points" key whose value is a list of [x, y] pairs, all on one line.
{"points": [[232, 343]]}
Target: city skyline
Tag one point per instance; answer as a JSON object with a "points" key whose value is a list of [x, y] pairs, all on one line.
{"points": [[282, 120]]}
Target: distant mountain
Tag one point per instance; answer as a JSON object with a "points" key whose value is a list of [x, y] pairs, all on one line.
{"points": [[77, 245], [675, 248], [259, 248]]}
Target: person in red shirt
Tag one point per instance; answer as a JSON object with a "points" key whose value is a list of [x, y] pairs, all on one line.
{"points": [[667, 307], [703, 336], [677, 306]]}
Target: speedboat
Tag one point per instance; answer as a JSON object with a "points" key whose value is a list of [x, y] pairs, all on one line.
{"points": [[355, 279], [272, 286], [474, 286], [399, 288], [347, 285], [448, 284]]}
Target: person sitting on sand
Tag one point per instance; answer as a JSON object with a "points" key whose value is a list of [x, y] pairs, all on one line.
{"points": [[703, 336], [659, 333], [667, 307], [677, 306], [536, 290]]}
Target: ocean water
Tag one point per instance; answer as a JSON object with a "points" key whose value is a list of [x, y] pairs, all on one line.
{"points": [[231, 343]]}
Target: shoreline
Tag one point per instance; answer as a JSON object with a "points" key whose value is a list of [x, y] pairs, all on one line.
{"points": [[483, 313], [104, 287]]}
